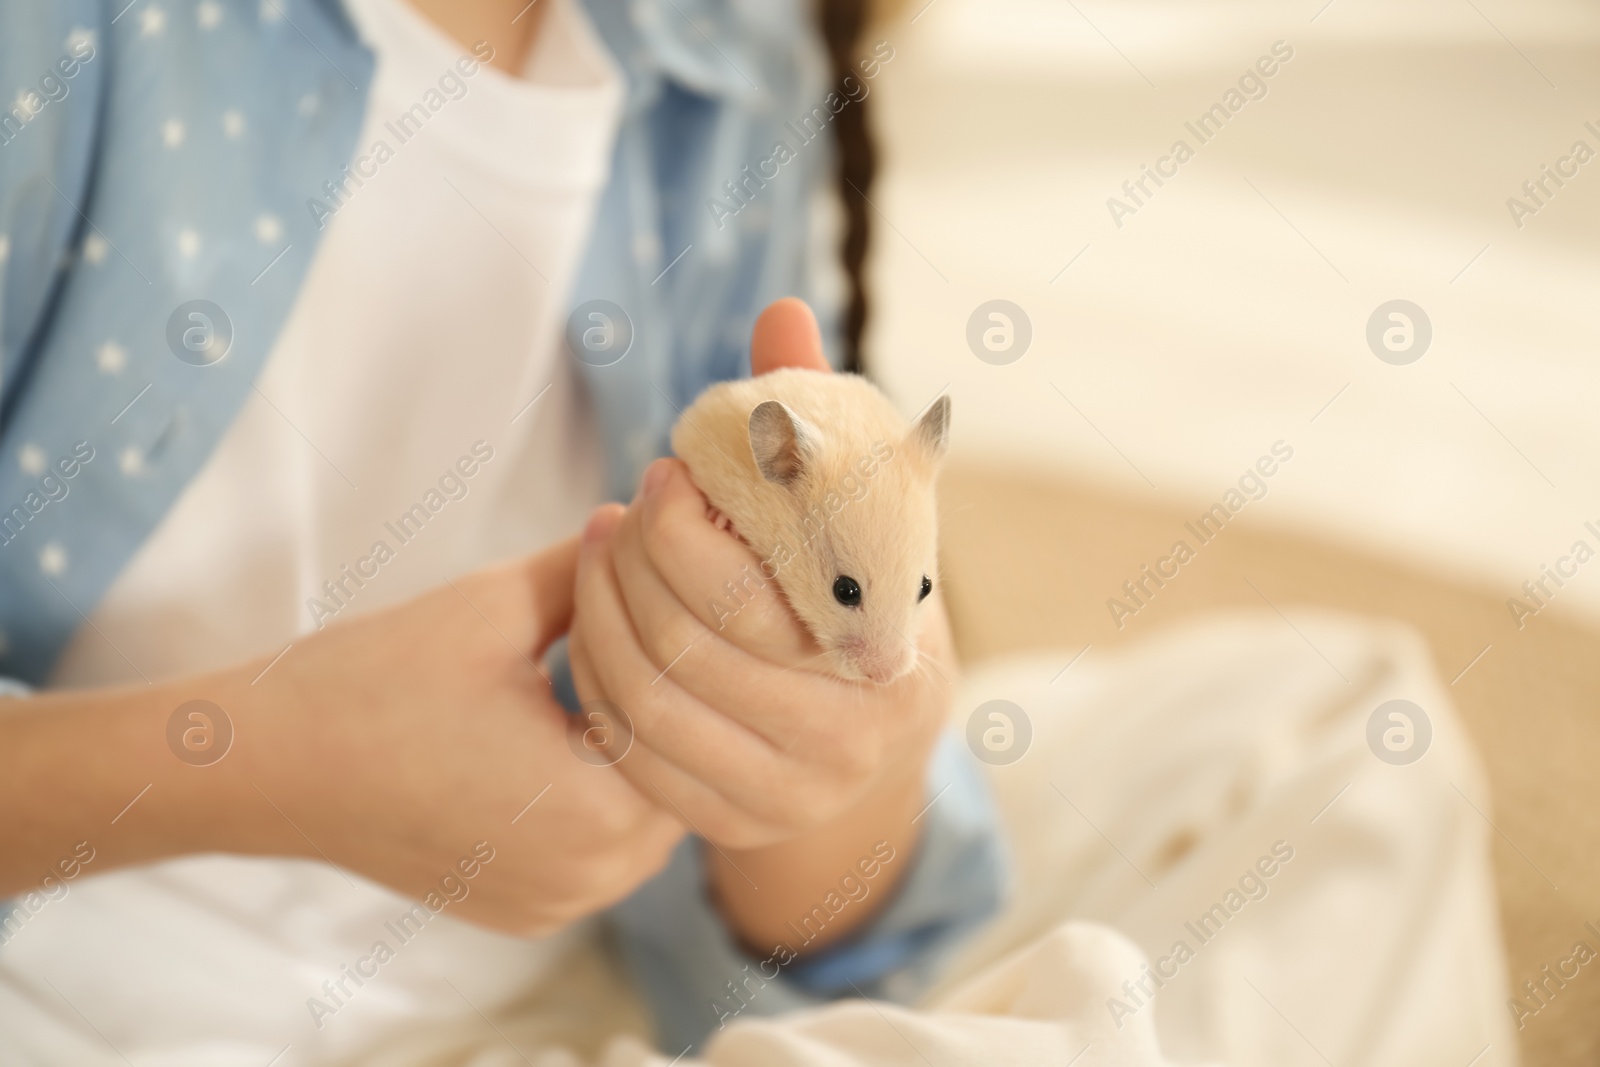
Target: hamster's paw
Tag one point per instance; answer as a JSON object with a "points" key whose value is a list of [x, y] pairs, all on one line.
{"points": [[720, 521]]}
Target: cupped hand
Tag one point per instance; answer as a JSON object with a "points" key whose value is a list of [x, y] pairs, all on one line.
{"points": [[736, 731]]}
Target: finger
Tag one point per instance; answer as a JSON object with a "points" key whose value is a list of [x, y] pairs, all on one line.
{"points": [[608, 661], [783, 692], [775, 702], [700, 808], [786, 335], [695, 804], [807, 733], [552, 576], [672, 779], [714, 575]]}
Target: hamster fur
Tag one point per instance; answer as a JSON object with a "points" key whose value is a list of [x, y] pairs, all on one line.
{"points": [[824, 480]]}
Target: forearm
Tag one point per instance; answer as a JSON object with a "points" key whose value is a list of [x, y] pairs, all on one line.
{"points": [[94, 767]]}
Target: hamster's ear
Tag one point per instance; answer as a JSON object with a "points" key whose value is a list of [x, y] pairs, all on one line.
{"points": [[931, 434], [782, 442]]}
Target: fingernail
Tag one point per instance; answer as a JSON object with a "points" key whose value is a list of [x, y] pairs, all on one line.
{"points": [[655, 476]]}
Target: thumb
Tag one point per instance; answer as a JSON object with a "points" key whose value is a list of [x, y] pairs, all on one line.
{"points": [[552, 581], [786, 335]]}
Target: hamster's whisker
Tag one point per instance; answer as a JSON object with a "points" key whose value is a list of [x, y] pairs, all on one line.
{"points": [[925, 660], [919, 668]]}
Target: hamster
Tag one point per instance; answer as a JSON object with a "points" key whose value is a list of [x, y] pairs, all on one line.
{"points": [[829, 485]]}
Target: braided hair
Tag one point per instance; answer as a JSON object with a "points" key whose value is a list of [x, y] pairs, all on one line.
{"points": [[842, 23]]}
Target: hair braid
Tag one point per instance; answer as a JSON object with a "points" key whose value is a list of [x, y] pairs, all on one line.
{"points": [[842, 22]]}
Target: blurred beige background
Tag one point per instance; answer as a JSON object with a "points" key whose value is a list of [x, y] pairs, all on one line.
{"points": [[1229, 312]]}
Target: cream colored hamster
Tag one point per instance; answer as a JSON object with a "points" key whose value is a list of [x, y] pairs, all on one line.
{"points": [[829, 485]]}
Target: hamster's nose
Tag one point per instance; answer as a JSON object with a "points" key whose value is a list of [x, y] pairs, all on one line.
{"points": [[883, 664], [881, 673]]}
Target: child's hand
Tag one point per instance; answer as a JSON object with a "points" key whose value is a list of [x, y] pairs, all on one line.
{"points": [[791, 773], [731, 731], [396, 742]]}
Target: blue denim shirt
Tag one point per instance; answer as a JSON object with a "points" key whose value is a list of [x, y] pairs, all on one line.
{"points": [[89, 250]]}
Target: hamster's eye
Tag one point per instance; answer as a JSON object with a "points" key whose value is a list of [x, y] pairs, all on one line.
{"points": [[846, 591], [927, 587]]}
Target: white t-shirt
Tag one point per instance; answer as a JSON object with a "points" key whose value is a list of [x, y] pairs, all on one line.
{"points": [[430, 321]]}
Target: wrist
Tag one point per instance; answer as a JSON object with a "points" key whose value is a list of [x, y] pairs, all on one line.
{"points": [[765, 894], [231, 800]]}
